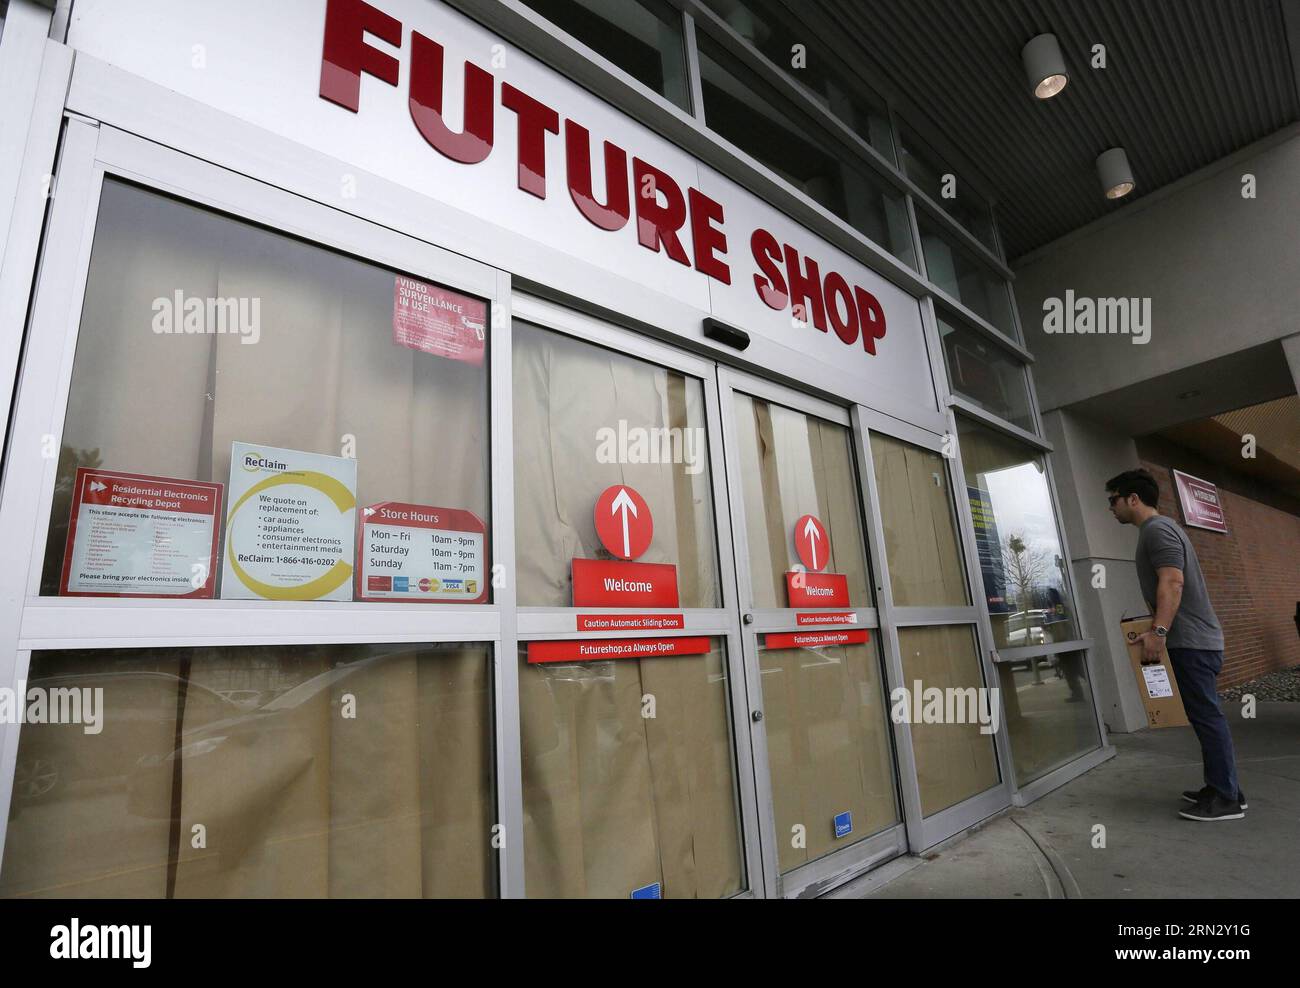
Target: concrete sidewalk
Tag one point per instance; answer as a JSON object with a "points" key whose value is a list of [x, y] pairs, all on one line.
{"points": [[1045, 850]]}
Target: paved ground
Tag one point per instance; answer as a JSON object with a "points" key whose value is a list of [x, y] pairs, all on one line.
{"points": [[1045, 850]]}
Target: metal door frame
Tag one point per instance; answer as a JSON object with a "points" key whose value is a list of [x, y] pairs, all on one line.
{"points": [[824, 873]]}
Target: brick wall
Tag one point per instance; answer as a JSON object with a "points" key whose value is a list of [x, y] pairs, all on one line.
{"points": [[1253, 575]]}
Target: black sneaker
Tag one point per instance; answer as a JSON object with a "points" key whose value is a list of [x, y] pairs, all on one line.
{"points": [[1212, 810], [1205, 792]]}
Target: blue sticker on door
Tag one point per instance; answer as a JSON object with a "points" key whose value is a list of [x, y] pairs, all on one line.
{"points": [[843, 824]]}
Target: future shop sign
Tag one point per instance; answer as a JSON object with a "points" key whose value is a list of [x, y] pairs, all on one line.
{"points": [[665, 216]]}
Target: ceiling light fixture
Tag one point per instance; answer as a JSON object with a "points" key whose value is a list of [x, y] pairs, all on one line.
{"points": [[1115, 174], [1044, 66]]}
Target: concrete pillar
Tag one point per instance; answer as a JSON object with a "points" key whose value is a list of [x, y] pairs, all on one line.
{"points": [[1086, 456]]}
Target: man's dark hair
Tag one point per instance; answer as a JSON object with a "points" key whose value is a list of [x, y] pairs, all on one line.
{"points": [[1138, 482]]}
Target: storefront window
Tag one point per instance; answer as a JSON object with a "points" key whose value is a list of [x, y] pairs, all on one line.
{"points": [[304, 771], [986, 374], [964, 278], [641, 37], [299, 387], [748, 112], [828, 747], [925, 563], [937, 179], [774, 31], [955, 759], [793, 465], [1015, 531], [1047, 701], [617, 801], [588, 419]]}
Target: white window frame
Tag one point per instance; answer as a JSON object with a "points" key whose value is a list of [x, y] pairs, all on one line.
{"points": [[91, 154]]}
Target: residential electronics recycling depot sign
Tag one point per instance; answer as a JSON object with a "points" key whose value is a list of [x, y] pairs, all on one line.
{"points": [[1200, 502], [419, 553], [289, 532], [439, 321], [132, 535]]}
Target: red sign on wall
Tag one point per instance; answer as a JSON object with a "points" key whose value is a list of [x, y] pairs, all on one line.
{"points": [[817, 589], [826, 617], [419, 553], [602, 649], [623, 522], [810, 541], [811, 639], [612, 583], [630, 622], [1200, 502]]}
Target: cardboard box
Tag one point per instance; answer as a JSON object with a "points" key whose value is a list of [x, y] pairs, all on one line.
{"points": [[1156, 683]]}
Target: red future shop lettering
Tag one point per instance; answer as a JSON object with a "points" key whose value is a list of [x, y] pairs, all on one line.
{"points": [[662, 209], [852, 313], [347, 55], [614, 214], [536, 120], [474, 142], [655, 223]]}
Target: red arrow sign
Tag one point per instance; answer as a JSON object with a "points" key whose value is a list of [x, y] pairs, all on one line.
{"points": [[810, 542], [623, 522]]}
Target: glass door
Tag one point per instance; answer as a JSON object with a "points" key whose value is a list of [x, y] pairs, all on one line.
{"points": [[819, 712], [635, 764], [946, 707]]}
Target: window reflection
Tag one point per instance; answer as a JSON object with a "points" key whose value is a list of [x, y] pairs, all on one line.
{"points": [[1020, 553], [1047, 702], [931, 172], [964, 278], [775, 32], [983, 372], [749, 113], [641, 37]]}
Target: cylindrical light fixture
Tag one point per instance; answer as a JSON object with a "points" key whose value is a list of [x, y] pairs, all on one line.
{"points": [[1115, 174], [1045, 66]]}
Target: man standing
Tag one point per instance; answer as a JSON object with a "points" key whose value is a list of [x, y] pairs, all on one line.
{"points": [[1183, 619]]}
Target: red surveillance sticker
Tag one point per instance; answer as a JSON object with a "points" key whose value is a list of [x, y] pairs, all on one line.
{"points": [[439, 321]]}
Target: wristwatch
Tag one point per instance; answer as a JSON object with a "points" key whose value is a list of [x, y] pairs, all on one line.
{"points": [[1161, 630]]}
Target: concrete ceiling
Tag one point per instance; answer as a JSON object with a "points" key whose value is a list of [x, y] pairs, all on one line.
{"points": [[1276, 461], [1202, 391], [1186, 83]]}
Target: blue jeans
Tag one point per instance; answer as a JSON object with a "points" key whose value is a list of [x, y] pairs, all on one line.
{"points": [[1197, 672]]}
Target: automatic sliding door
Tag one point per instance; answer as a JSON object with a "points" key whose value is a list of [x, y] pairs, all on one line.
{"points": [[825, 759]]}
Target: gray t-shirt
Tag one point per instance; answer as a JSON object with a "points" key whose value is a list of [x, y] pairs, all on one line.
{"points": [[1161, 542]]}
